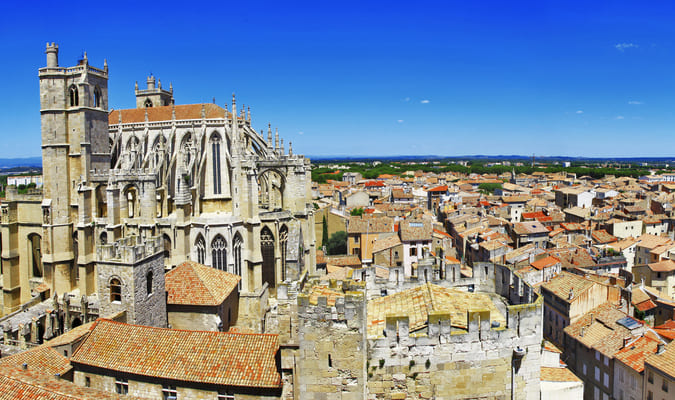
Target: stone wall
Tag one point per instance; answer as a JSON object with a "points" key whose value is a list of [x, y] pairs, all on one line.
{"points": [[331, 359], [440, 362]]}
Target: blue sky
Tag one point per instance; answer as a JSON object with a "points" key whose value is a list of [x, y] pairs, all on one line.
{"points": [[374, 78]]}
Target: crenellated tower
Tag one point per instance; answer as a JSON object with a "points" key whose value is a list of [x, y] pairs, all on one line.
{"points": [[75, 141]]}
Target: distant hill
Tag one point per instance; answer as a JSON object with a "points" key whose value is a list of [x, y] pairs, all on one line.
{"points": [[20, 162]]}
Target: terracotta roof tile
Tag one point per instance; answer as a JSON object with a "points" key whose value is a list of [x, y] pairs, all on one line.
{"points": [[43, 359], [20, 384], [192, 283], [185, 111], [553, 374], [635, 353], [664, 362], [220, 358]]}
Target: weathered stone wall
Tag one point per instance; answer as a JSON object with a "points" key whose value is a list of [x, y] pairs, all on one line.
{"points": [[142, 308], [151, 388], [441, 362], [331, 359]]}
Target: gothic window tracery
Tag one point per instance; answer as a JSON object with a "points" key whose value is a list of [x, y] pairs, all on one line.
{"points": [[200, 246], [215, 151], [148, 103], [219, 253], [73, 96], [236, 246]]}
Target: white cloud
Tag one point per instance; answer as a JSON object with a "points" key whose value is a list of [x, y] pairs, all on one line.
{"points": [[424, 101], [624, 46], [301, 133], [619, 117], [400, 121], [633, 102], [406, 99], [580, 111]]}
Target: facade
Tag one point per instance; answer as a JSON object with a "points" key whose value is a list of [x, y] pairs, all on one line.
{"points": [[129, 192]]}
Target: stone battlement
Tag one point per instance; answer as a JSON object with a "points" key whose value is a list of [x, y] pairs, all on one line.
{"points": [[129, 250]]}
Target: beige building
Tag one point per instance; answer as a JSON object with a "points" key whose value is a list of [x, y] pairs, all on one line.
{"points": [[659, 382], [129, 192]]}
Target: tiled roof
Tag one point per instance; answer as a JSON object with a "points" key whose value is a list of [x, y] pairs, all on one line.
{"points": [[664, 362], [344, 261], [20, 384], [602, 236], [545, 262], [553, 374], [414, 230], [72, 335], [635, 353], [529, 228], [663, 266], [417, 302], [43, 359], [599, 329], [185, 111], [386, 243], [645, 305], [563, 283], [192, 283], [516, 199], [443, 188], [359, 224], [219, 358]]}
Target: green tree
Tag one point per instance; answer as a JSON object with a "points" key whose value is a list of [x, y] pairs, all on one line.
{"points": [[489, 188], [337, 244], [356, 212], [324, 233]]}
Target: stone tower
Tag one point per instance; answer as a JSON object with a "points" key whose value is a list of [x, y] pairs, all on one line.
{"points": [[74, 116], [154, 95]]}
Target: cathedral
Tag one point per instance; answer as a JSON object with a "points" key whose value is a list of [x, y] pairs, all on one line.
{"points": [[129, 194]]}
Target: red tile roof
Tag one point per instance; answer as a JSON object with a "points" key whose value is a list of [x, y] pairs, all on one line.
{"points": [[185, 111], [192, 283], [20, 384], [635, 353], [442, 188], [219, 358], [545, 263], [43, 358]]}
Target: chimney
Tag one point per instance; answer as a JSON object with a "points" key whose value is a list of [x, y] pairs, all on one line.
{"points": [[660, 348], [583, 328], [626, 340], [25, 366], [571, 296]]}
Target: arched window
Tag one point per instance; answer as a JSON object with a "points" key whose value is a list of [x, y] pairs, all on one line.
{"points": [[131, 201], [268, 257], [148, 283], [283, 241], [97, 97], [115, 290], [236, 247], [103, 238], [148, 103], [74, 97], [200, 244], [35, 254], [219, 253], [215, 150]]}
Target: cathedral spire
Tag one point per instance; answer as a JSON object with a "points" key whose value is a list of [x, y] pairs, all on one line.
{"points": [[276, 138], [269, 134]]}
